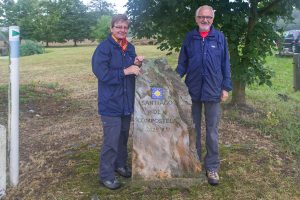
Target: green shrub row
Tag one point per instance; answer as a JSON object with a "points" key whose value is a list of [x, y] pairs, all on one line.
{"points": [[30, 48]]}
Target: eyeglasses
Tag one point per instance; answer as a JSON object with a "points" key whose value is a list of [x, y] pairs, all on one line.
{"points": [[121, 27], [204, 17]]}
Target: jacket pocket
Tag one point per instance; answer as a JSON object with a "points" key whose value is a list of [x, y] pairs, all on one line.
{"points": [[215, 58]]}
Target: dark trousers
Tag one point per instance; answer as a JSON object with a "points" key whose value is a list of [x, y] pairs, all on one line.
{"points": [[114, 148], [212, 115]]}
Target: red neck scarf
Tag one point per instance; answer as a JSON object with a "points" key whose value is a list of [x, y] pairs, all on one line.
{"points": [[204, 33], [123, 43]]}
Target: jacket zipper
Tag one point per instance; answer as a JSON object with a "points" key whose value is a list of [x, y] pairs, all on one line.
{"points": [[202, 79], [125, 91]]}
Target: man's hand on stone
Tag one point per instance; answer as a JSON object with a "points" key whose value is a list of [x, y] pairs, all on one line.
{"points": [[224, 95]]}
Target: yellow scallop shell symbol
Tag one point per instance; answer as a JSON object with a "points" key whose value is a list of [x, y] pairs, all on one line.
{"points": [[157, 93]]}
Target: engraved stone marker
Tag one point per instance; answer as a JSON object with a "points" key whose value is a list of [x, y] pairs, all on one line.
{"points": [[163, 137]]}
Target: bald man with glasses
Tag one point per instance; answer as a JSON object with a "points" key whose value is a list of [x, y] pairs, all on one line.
{"points": [[204, 60]]}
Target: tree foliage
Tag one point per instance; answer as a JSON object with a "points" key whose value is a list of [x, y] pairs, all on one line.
{"points": [[53, 20], [75, 23], [7, 13], [47, 20], [249, 27], [26, 12], [100, 8], [102, 28], [100, 11]]}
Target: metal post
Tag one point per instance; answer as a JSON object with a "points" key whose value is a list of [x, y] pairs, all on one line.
{"points": [[2, 161], [296, 71], [14, 43]]}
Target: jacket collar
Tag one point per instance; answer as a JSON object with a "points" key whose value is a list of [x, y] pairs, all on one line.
{"points": [[111, 39]]}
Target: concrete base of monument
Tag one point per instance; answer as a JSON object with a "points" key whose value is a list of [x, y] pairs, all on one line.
{"points": [[163, 135]]}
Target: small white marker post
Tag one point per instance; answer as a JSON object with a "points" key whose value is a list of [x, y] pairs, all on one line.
{"points": [[14, 43]]}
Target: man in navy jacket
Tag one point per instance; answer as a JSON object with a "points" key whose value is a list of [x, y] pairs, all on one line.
{"points": [[116, 66], [204, 60]]}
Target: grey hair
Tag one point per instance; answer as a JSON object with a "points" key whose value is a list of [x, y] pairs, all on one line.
{"points": [[206, 7], [117, 18]]}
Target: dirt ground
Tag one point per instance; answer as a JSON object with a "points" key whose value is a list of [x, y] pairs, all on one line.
{"points": [[50, 129]]}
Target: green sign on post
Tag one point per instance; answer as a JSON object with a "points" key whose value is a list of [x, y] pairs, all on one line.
{"points": [[15, 33]]}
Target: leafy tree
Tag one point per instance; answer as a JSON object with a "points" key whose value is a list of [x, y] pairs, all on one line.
{"points": [[2, 13], [22, 13], [74, 21], [46, 22], [101, 7], [248, 25], [25, 12], [37, 19], [54, 20], [97, 9], [102, 28], [7, 13]]}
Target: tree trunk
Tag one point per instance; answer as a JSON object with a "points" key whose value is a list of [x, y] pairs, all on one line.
{"points": [[238, 90], [238, 93], [75, 43], [47, 44]]}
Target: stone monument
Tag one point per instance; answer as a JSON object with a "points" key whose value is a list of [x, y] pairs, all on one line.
{"points": [[163, 135]]}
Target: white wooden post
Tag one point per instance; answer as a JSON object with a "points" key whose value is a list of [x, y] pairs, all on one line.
{"points": [[14, 43]]}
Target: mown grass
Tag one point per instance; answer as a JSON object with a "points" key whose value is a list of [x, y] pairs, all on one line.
{"points": [[32, 94], [276, 109], [67, 66], [246, 173]]}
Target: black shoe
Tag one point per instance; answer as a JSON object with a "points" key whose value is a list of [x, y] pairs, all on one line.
{"points": [[124, 171], [112, 185], [212, 177]]}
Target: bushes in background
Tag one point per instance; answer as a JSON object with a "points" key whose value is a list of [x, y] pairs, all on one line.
{"points": [[30, 48]]}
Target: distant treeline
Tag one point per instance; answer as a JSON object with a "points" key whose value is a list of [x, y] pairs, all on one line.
{"points": [[55, 20]]}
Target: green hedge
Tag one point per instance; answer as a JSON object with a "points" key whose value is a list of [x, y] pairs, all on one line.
{"points": [[30, 48]]}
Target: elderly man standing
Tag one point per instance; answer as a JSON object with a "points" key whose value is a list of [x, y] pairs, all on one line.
{"points": [[204, 60]]}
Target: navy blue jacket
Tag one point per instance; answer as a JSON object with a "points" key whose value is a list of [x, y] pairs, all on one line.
{"points": [[205, 62], [115, 90]]}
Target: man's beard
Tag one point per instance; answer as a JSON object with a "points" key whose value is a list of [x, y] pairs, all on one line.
{"points": [[205, 27]]}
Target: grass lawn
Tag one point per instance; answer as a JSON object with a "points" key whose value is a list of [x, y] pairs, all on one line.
{"points": [[276, 109], [60, 135]]}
